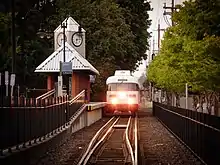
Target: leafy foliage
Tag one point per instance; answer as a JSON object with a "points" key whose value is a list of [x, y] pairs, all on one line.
{"points": [[116, 34], [31, 51], [189, 52], [112, 43]]}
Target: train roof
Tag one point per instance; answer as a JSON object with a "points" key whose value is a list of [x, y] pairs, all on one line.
{"points": [[122, 79], [123, 73]]}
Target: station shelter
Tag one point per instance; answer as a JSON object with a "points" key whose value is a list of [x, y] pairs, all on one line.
{"points": [[75, 53]]}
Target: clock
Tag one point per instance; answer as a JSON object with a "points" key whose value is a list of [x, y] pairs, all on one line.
{"points": [[60, 38], [77, 39]]}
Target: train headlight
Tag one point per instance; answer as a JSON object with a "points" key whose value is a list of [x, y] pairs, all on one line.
{"points": [[114, 101], [131, 101], [122, 95]]}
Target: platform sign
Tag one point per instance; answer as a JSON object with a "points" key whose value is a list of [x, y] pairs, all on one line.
{"points": [[67, 68], [60, 86], [6, 78], [12, 81], [70, 86], [92, 78]]}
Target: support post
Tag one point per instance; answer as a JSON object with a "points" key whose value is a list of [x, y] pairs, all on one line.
{"points": [[13, 35], [186, 96], [60, 82], [158, 30], [64, 40], [172, 10]]}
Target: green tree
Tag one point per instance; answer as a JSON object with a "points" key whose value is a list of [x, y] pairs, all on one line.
{"points": [[189, 52], [136, 15], [30, 49], [110, 41], [198, 18]]}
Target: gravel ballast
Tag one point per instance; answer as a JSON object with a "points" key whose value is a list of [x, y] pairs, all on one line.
{"points": [[71, 150], [159, 146]]}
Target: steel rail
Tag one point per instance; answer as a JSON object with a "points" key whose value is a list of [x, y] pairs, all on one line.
{"points": [[136, 141], [99, 142], [128, 141], [85, 155]]}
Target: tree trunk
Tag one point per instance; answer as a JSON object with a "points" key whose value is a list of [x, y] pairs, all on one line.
{"points": [[208, 97], [169, 98], [195, 102], [201, 101], [177, 100], [216, 100]]}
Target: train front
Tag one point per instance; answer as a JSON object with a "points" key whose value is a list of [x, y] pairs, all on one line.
{"points": [[122, 98]]}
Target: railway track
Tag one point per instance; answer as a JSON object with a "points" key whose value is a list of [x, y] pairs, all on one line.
{"points": [[115, 143]]}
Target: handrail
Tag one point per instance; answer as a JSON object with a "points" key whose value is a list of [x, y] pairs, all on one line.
{"points": [[48, 95], [76, 97], [45, 94]]}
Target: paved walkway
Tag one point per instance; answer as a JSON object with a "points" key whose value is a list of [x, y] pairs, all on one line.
{"points": [[158, 145]]}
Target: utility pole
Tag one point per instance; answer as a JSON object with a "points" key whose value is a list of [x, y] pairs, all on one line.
{"points": [[153, 52], [153, 45], [172, 9], [158, 30]]}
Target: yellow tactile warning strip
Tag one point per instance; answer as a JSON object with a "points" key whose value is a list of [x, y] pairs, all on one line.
{"points": [[95, 105]]}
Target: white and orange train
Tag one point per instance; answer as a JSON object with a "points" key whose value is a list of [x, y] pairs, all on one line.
{"points": [[123, 94]]}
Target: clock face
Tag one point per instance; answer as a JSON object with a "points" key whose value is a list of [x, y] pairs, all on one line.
{"points": [[77, 39], [60, 38]]}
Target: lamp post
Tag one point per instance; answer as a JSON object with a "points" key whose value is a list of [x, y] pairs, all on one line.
{"points": [[186, 96], [63, 26], [60, 77], [13, 35]]}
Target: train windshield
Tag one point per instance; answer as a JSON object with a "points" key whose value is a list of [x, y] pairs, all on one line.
{"points": [[123, 87]]}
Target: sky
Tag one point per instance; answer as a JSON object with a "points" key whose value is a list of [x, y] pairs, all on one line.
{"points": [[156, 16]]}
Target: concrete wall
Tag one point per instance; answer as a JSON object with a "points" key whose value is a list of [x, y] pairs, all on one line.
{"points": [[93, 116]]}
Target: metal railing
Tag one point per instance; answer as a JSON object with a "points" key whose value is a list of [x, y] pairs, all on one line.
{"points": [[46, 95], [24, 121], [75, 103], [198, 131]]}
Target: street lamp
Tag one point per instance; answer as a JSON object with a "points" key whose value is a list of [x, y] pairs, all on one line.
{"points": [[42, 33], [64, 26], [60, 77]]}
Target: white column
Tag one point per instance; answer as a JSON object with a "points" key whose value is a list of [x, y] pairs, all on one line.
{"points": [[186, 96]]}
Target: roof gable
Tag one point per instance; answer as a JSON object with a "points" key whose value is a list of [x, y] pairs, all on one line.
{"points": [[52, 63], [72, 25]]}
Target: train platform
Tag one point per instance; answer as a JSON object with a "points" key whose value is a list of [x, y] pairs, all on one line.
{"points": [[95, 105]]}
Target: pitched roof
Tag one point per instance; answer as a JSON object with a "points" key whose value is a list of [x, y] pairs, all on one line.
{"points": [[72, 25], [52, 63]]}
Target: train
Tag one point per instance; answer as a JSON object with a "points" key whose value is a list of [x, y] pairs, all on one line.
{"points": [[123, 94]]}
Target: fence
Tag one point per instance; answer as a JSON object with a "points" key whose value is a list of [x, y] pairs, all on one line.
{"points": [[24, 121], [199, 131]]}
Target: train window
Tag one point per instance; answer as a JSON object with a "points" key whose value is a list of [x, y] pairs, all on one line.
{"points": [[123, 87]]}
